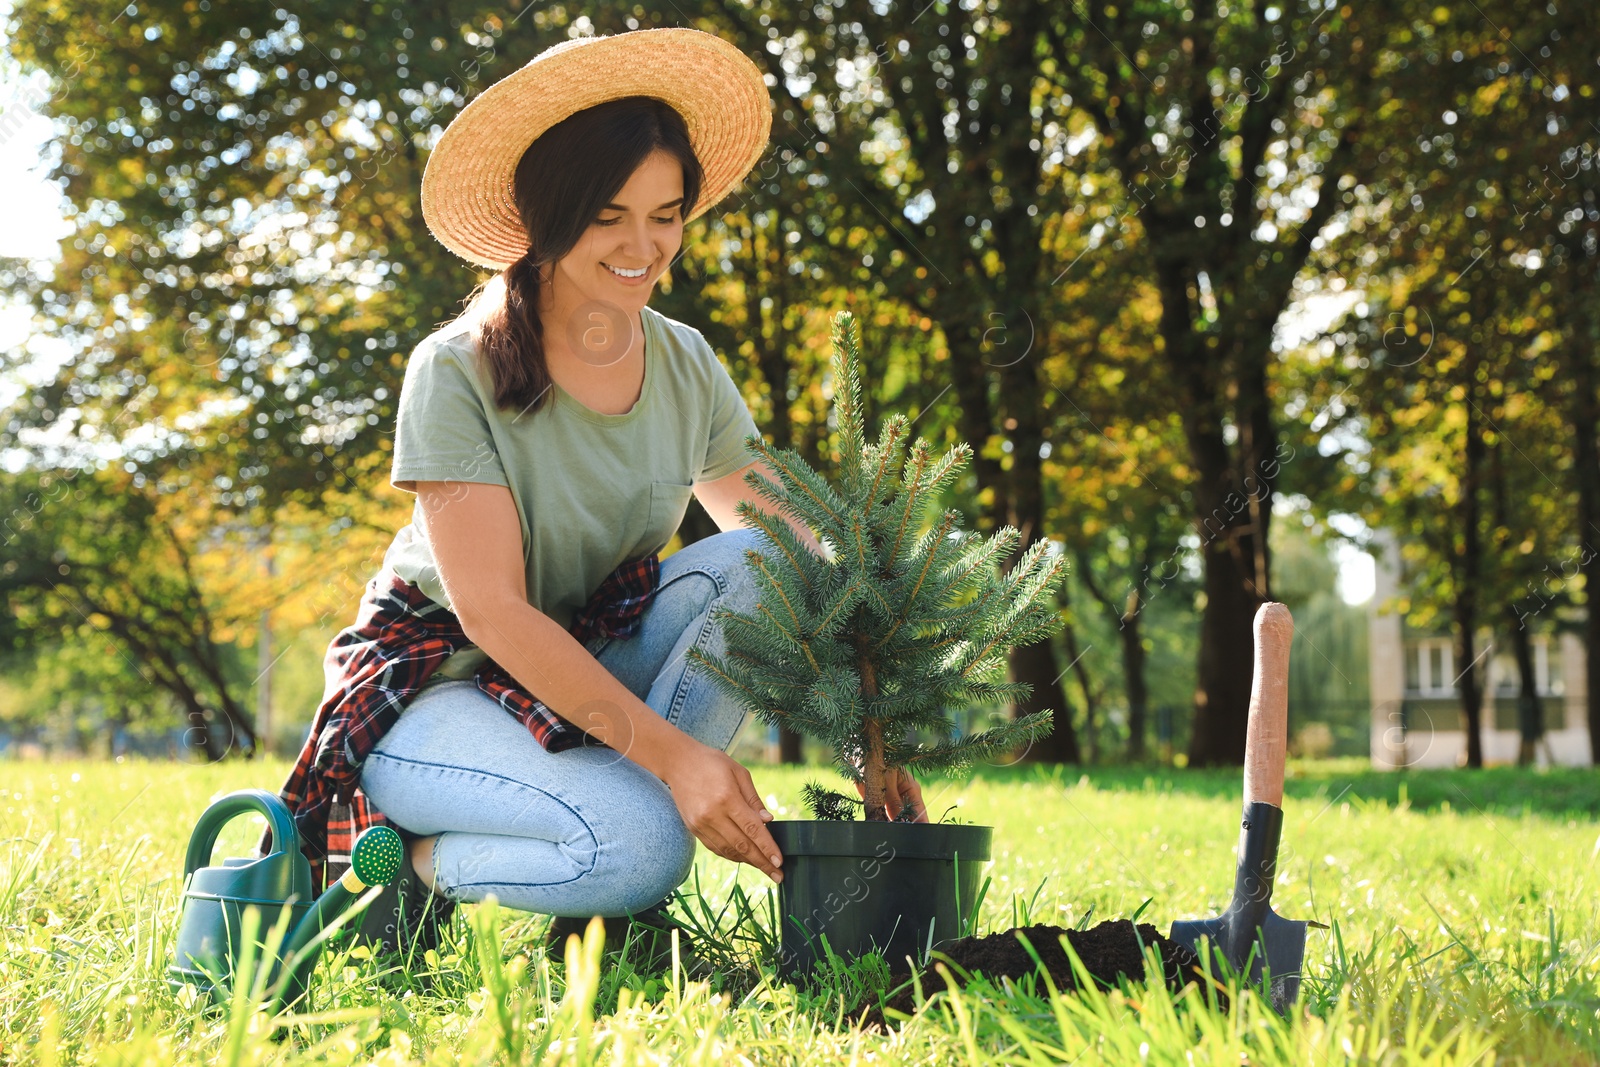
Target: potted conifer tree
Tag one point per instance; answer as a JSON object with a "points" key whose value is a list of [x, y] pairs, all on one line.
{"points": [[868, 651]]}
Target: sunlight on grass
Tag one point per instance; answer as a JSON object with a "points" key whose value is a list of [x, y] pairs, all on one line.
{"points": [[1463, 913]]}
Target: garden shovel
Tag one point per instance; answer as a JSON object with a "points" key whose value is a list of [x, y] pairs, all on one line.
{"points": [[1250, 934]]}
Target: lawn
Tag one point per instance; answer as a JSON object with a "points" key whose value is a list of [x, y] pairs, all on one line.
{"points": [[1464, 915]]}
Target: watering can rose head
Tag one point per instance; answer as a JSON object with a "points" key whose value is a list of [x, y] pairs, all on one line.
{"points": [[865, 650]]}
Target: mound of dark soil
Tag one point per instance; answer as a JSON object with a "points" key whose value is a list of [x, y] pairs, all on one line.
{"points": [[1108, 951]]}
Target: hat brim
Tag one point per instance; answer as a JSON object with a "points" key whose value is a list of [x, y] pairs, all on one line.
{"points": [[467, 198]]}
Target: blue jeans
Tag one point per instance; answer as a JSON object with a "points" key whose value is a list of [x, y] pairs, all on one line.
{"points": [[581, 832]]}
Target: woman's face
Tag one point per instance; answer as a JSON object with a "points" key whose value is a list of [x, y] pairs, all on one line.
{"points": [[632, 241]]}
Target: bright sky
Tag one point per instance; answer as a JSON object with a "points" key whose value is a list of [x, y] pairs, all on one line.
{"points": [[35, 227], [34, 224]]}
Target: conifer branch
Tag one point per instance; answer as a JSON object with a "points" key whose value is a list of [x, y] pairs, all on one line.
{"points": [[763, 522], [886, 453], [800, 480], [944, 529], [846, 602], [695, 655], [799, 641], [920, 458]]}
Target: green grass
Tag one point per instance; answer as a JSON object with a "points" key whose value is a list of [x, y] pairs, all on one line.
{"points": [[1464, 915]]}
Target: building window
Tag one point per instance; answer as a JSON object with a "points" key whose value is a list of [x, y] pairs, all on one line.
{"points": [[1507, 680], [1547, 666], [1430, 668]]}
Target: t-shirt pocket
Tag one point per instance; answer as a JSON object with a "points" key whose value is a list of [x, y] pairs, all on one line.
{"points": [[668, 502]]}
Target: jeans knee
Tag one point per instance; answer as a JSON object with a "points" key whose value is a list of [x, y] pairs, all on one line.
{"points": [[745, 538], [661, 863], [702, 587], [736, 568]]}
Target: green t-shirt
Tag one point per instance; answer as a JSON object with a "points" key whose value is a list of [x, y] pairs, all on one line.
{"points": [[591, 490]]}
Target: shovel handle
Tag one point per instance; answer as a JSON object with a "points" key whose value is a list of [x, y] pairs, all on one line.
{"points": [[1267, 739]]}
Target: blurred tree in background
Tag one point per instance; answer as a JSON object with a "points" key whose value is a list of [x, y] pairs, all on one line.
{"points": [[1099, 242]]}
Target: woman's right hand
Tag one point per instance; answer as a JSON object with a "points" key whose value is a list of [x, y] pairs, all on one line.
{"points": [[720, 806]]}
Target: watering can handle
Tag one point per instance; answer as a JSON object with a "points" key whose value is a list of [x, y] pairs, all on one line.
{"points": [[224, 809], [1267, 736]]}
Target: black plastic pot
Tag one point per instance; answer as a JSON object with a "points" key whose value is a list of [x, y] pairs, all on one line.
{"points": [[895, 888]]}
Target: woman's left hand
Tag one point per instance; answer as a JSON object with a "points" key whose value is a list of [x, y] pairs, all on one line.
{"points": [[900, 791]]}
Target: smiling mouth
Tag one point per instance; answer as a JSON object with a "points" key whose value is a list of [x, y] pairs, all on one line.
{"points": [[621, 273]]}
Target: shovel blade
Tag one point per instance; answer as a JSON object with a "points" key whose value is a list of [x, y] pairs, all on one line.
{"points": [[1279, 946]]}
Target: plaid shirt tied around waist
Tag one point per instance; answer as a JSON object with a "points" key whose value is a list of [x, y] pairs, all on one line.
{"points": [[375, 666]]}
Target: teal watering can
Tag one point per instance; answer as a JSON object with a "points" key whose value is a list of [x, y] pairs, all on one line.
{"points": [[210, 927]]}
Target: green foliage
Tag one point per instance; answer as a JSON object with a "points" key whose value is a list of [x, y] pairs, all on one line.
{"points": [[826, 804], [248, 268], [119, 612], [866, 650]]}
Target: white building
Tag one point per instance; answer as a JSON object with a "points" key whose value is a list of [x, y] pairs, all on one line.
{"points": [[1416, 707]]}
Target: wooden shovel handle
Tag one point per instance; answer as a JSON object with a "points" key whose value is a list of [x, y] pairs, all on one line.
{"points": [[1267, 739]]}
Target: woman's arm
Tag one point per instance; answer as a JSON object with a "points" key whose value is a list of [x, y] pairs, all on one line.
{"points": [[476, 539], [720, 496]]}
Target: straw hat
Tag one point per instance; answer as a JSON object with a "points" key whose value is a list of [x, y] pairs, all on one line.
{"points": [[467, 199]]}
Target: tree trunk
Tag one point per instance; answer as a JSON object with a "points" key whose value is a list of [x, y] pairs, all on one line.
{"points": [[1530, 715], [200, 739], [1089, 743], [790, 748], [1133, 673], [774, 358], [1036, 665], [1584, 418], [974, 418], [1233, 508], [1466, 577], [1471, 697], [1227, 657], [1130, 637], [1589, 559], [1024, 509]]}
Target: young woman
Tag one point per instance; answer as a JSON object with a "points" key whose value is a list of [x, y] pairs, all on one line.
{"points": [[553, 435]]}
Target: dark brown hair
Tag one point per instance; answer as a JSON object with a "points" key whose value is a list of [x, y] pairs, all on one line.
{"points": [[563, 181]]}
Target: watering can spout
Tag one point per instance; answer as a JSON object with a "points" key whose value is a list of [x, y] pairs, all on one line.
{"points": [[210, 926], [375, 859]]}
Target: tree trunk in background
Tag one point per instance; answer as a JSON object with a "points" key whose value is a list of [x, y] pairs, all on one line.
{"points": [[1233, 509], [1584, 418], [1471, 697], [199, 738], [264, 664], [1088, 742], [790, 748], [1024, 509], [1232, 519], [1130, 637], [1530, 715], [1133, 673], [1589, 557], [1227, 658], [774, 360], [1036, 665], [1466, 576]]}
